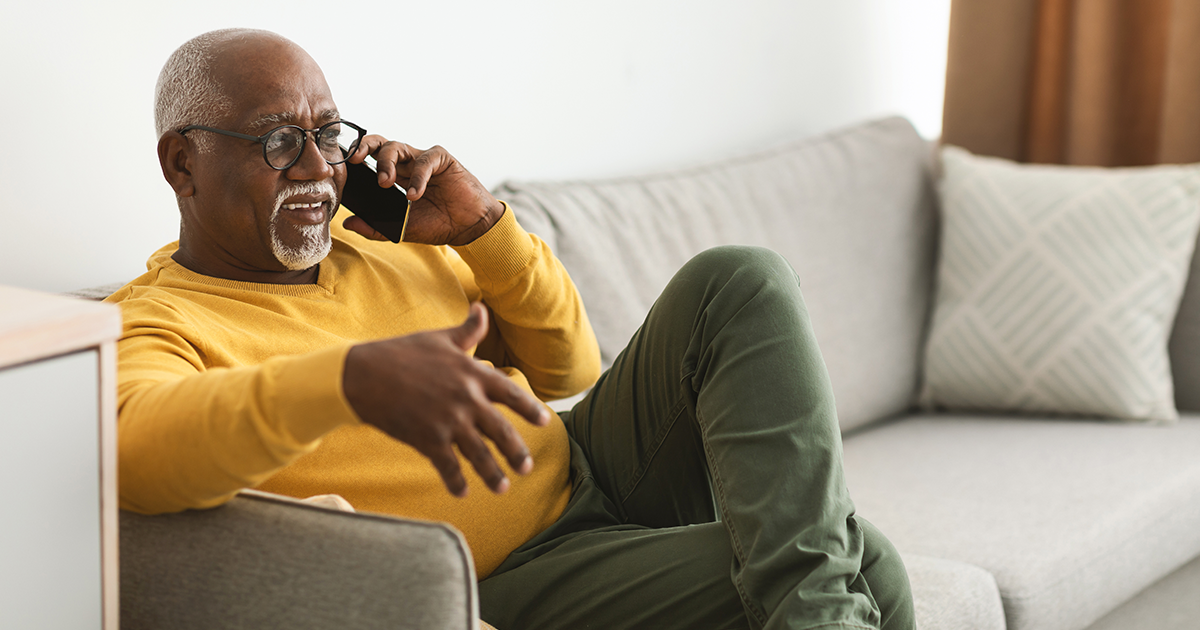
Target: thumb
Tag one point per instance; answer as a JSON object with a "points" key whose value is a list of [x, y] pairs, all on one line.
{"points": [[468, 334], [356, 224]]}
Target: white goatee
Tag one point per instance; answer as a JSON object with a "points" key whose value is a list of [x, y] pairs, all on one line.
{"points": [[315, 242]]}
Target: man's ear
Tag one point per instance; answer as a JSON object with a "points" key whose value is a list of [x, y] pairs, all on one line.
{"points": [[175, 158]]}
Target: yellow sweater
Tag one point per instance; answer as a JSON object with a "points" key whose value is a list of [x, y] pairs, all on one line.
{"points": [[224, 385]]}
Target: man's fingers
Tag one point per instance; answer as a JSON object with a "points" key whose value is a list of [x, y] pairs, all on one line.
{"points": [[390, 157], [504, 391], [369, 144], [501, 432], [468, 334], [446, 463], [423, 167], [476, 451]]}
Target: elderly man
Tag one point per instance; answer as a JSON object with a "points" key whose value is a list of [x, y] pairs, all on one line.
{"points": [[272, 347]]}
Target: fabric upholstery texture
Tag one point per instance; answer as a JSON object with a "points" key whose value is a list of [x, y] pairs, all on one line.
{"points": [[852, 211], [259, 562], [951, 595], [98, 292], [1171, 604], [1057, 286], [1070, 517]]}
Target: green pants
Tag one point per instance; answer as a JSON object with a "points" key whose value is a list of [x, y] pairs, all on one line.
{"points": [[707, 479]]}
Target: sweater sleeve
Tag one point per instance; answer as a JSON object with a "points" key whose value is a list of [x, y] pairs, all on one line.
{"points": [[191, 437], [542, 327]]}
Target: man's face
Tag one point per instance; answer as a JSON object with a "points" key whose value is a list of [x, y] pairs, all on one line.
{"points": [[250, 215]]}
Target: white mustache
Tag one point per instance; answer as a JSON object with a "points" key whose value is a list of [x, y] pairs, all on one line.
{"points": [[324, 187]]}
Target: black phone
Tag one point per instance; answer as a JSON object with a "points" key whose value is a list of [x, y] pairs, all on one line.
{"points": [[384, 209]]}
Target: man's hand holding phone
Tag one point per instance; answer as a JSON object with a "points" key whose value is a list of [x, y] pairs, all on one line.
{"points": [[449, 206], [381, 209]]}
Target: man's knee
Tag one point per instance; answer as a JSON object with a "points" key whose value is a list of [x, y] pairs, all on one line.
{"points": [[887, 578], [739, 269], [730, 260]]}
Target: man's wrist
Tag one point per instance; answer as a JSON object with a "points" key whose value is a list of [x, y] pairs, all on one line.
{"points": [[495, 210], [503, 251]]}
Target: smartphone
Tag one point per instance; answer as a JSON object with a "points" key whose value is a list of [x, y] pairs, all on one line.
{"points": [[384, 209]]}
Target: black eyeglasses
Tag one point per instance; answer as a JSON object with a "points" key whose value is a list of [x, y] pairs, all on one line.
{"points": [[283, 146]]}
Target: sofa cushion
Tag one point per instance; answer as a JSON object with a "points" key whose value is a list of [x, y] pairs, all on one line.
{"points": [[1072, 518], [264, 561], [852, 211], [1170, 604], [1057, 286], [950, 595]]}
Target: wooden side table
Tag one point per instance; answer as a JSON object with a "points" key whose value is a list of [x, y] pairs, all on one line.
{"points": [[58, 461]]}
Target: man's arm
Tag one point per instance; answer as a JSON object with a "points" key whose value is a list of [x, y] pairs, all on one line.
{"points": [[543, 328], [191, 437], [541, 325]]}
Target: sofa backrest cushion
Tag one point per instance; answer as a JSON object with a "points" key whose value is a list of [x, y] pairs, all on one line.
{"points": [[853, 211]]}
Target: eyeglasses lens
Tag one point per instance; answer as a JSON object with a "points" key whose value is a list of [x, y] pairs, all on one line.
{"points": [[334, 141], [283, 145], [337, 141]]}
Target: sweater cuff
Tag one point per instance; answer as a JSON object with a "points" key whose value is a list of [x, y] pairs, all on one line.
{"points": [[502, 252], [309, 394]]}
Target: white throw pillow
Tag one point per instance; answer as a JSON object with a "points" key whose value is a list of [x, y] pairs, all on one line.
{"points": [[1057, 286]]}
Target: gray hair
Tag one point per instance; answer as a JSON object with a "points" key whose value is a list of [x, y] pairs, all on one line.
{"points": [[186, 93]]}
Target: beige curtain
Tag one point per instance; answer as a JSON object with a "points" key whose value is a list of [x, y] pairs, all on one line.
{"points": [[1096, 82]]}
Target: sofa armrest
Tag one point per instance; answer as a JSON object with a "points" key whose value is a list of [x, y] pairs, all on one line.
{"points": [[263, 561]]}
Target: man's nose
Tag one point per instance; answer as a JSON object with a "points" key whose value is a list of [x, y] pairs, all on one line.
{"points": [[311, 165]]}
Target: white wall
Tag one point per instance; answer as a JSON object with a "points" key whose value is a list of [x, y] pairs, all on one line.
{"points": [[525, 89]]}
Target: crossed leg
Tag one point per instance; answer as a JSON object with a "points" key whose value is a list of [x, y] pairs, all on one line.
{"points": [[719, 408]]}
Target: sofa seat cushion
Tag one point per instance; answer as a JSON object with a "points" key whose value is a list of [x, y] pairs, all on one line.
{"points": [[852, 211], [1071, 518], [951, 595]]}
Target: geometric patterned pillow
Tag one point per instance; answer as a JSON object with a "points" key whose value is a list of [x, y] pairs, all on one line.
{"points": [[1057, 287]]}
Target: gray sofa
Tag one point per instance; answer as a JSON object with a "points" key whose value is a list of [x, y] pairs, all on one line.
{"points": [[1004, 521]]}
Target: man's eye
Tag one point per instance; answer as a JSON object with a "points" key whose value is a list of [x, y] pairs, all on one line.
{"points": [[329, 137], [282, 141]]}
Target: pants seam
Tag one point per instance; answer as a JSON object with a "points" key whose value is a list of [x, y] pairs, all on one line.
{"points": [[736, 541], [644, 461], [718, 489]]}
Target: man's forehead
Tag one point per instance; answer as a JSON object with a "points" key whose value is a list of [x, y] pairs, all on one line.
{"points": [[272, 81]]}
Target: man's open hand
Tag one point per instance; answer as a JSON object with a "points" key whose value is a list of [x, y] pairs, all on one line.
{"points": [[426, 391], [449, 205]]}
